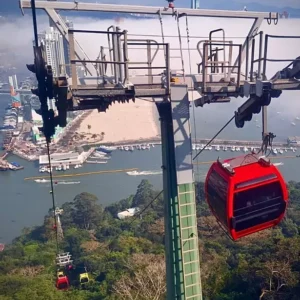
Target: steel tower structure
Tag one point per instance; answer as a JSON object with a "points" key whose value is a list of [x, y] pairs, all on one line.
{"points": [[219, 77]]}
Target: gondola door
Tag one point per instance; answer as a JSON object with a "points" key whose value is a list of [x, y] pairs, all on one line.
{"points": [[217, 194]]}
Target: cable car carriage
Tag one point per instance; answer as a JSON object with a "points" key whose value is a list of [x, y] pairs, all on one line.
{"points": [[246, 194], [62, 281]]}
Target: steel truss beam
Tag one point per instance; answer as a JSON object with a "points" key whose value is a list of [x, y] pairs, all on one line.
{"points": [[63, 29], [151, 10]]}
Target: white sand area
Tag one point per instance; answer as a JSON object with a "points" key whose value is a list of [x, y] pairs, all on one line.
{"points": [[124, 122]]}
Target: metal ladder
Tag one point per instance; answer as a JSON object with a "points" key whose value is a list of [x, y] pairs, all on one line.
{"points": [[189, 238]]}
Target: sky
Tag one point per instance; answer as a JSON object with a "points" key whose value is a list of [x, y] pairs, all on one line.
{"points": [[236, 29], [184, 3]]}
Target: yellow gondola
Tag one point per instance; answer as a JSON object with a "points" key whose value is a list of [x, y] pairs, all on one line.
{"points": [[84, 278]]}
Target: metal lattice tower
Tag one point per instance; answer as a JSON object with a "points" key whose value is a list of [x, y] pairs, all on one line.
{"points": [[220, 76]]}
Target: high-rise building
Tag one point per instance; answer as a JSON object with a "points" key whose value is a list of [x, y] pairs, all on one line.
{"points": [[52, 42], [15, 96]]}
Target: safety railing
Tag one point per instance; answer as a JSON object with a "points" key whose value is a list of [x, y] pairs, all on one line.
{"points": [[263, 59], [208, 62], [118, 46]]}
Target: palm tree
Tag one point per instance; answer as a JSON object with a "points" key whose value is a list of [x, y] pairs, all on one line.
{"points": [[89, 128], [102, 135]]}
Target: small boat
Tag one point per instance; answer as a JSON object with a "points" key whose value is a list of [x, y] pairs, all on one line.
{"points": [[41, 180]]}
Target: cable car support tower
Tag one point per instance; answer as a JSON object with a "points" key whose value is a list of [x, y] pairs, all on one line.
{"points": [[219, 78]]}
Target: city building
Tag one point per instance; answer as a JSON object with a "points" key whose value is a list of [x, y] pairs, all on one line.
{"points": [[60, 159], [52, 41], [69, 23], [15, 96]]}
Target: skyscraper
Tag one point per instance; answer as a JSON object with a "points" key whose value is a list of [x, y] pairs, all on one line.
{"points": [[52, 42]]}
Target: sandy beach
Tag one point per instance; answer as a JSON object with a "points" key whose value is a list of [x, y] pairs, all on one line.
{"points": [[124, 122]]}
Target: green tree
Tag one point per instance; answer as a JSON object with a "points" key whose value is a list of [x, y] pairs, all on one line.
{"points": [[144, 194], [87, 213]]}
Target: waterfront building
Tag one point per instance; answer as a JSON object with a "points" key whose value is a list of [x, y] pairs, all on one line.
{"points": [[15, 96], [59, 159]]}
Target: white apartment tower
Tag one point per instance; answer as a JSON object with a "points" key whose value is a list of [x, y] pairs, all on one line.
{"points": [[52, 42]]}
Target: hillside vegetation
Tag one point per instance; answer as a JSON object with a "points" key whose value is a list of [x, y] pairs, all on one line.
{"points": [[125, 258]]}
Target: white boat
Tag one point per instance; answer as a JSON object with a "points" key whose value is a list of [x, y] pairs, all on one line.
{"points": [[41, 180], [245, 149], [237, 149], [96, 161], [217, 148], [194, 147], [232, 148], [274, 151], [280, 151], [225, 148]]}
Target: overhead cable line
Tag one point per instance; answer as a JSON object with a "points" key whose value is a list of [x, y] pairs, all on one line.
{"points": [[41, 87], [52, 195], [212, 139]]}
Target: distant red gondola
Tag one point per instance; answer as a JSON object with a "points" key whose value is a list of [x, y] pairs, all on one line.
{"points": [[246, 194], [62, 283]]}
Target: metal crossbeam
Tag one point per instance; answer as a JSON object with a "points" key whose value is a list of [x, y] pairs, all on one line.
{"points": [[63, 29], [151, 10]]}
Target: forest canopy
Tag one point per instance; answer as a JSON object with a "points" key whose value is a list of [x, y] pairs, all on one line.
{"points": [[125, 258]]}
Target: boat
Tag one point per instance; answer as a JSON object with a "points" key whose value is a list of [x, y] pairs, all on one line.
{"points": [[41, 180], [106, 149], [245, 149], [96, 161]]}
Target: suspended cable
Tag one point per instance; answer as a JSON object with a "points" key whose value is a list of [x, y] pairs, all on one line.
{"points": [[52, 194], [214, 137], [139, 214], [146, 207], [36, 43], [180, 45], [190, 67], [162, 31]]}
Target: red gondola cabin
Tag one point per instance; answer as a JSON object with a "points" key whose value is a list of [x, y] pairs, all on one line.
{"points": [[246, 194], [62, 283]]}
